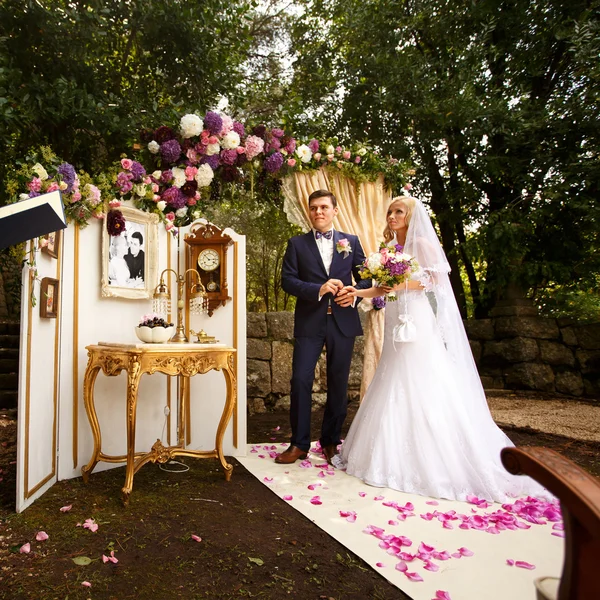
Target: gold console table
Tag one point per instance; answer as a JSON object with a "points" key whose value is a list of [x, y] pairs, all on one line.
{"points": [[183, 360]]}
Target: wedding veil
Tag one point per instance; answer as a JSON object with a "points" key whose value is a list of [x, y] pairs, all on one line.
{"points": [[422, 243]]}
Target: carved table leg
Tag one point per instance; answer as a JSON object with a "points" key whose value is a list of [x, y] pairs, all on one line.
{"points": [[88, 400], [133, 380], [230, 403]]}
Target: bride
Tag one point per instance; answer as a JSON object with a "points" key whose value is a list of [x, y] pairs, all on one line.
{"points": [[424, 426]]}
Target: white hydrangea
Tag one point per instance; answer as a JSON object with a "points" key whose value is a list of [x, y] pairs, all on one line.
{"points": [[40, 171], [231, 141], [191, 125], [204, 176], [374, 262], [181, 212], [161, 205], [153, 147], [213, 149], [304, 152], [179, 177]]}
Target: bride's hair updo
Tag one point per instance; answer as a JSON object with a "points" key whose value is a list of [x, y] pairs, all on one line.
{"points": [[409, 204]]}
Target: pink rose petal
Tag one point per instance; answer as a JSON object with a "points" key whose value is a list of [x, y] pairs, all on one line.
{"points": [[25, 548], [441, 595], [267, 479], [288, 498], [380, 565], [559, 534], [429, 566], [66, 508], [41, 536], [524, 565], [196, 538], [390, 522], [432, 502], [414, 576], [86, 584], [362, 494], [402, 567], [316, 500], [465, 551], [377, 498], [510, 562]]}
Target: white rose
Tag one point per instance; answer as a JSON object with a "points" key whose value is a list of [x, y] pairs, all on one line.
{"points": [[181, 212], [62, 186], [231, 141], [140, 189], [196, 215], [23, 196], [153, 147], [179, 177], [40, 171], [161, 204], [330, 149], [304, 152], [204, 176], [191, 125], [361, 151], [374, 262], [157, 174], [213, 149]]}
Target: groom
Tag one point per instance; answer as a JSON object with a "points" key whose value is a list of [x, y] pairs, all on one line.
{"points": [[316, 267]]}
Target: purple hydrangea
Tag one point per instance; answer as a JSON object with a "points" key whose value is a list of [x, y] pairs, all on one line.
{"points": [[174, 197], [399, 248], [166, 176], [379, 302], [68, 175], [289, 145], [313, 145], [273, 162], [170, 151], [239, 129], [213, 161], [213, 122], [229, 157], [398, 268], [137, 170]]}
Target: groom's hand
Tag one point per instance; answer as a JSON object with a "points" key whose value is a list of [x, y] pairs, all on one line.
{"points": [[346, 296], [331, 286]]}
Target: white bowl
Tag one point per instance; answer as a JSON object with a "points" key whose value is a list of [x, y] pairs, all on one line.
{"points": [[155, 335]]}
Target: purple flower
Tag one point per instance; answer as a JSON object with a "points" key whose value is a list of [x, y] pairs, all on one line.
{"points": [[174, 197], [379, 302], [189, 188], [170, 151], [124, 182], [289, 145], [68, 175], [229, 157], [314, 145], [213, 161], [164, 134], [273, 163], [274, 144], [137, 171], [259, 131], [115, 222], [239, 129], [276, 132], [166, 176], [213, 122]]}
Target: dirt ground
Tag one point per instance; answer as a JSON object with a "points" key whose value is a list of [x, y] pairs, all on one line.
{"points": [[252, 544]]}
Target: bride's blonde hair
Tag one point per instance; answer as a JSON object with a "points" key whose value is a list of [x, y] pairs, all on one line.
{"points": [[409, 204]]}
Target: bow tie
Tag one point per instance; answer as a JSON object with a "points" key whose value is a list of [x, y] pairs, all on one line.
{"points": [[327, 235]]}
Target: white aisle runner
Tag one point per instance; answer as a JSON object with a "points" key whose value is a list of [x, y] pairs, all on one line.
{"points": [[430, 549]]}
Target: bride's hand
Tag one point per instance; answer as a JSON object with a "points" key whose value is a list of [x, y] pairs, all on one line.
{"points": [[345, 297]]}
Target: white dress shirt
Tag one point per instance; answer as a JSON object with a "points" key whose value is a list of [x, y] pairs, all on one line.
{"points": [[325, 247]]}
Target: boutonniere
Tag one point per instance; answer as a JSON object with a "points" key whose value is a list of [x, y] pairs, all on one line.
{"points": [[343, 245]]}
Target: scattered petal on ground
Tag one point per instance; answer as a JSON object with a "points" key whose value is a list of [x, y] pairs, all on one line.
{"points": [[414, 576], [432, 502], [66, 508], [86, 584], [510, 562], [441, 595], [41, 536], [524, 565], [316, 500], [288, 498], [267, 479], [196, 538], [362, 494], [380, 565], [91, 525], [25, 548]]}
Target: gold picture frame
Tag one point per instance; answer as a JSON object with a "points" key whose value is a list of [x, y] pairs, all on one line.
{"points": [[129, 261], [53, 246], [49, 298]]}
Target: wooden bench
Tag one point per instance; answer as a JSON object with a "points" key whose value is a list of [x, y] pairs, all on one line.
{"points": [[579, 495]]}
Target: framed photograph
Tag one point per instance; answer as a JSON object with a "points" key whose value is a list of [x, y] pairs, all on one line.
{"points": [[51, 248], [129, 260], [49, 298]]}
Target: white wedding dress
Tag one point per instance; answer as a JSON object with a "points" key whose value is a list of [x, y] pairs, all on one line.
{"points": [[415, 430]]}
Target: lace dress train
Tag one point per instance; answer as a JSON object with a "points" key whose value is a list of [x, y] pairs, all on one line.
{"points": [[423, 427]]}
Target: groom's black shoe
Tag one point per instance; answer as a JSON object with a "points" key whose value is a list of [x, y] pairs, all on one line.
{"points": [[329, 452], [291, 455]]}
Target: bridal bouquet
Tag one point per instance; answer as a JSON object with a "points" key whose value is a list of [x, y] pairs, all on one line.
{"points": [[388, 267]]}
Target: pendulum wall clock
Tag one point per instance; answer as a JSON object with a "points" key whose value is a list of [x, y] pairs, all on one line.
{"points": [[207, 253]]}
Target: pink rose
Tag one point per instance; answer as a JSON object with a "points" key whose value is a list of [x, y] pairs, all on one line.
{"points": [[407, 187], [192, 155], [155, 187], [197, 196], [114, 204], [52, 187], [170, 216], [213, 139], [347, 154], [169, 225], [76, 197], [191, 201], [338, 149], [240, 150], [190, 173], [317, 156], [291, 162], [126, 163], [156, 197], [330, 157], [357, 159], [147, 180]]}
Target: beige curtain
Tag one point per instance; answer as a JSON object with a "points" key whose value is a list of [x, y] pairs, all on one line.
{"points": [[361, 212]]}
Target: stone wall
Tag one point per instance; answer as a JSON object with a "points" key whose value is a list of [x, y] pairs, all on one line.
{"points": [[532, 353]]}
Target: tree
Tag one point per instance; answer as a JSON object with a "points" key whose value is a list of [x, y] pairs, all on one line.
{"points": [[497, 103]]}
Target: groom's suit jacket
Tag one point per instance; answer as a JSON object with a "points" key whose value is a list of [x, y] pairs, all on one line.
{"points": [[303, 274]]}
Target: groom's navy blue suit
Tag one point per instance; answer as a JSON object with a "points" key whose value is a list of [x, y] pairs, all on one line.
{"points": [[303, 274]]}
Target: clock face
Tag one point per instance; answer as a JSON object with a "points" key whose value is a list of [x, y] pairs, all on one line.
{"points": [[209, 259]]}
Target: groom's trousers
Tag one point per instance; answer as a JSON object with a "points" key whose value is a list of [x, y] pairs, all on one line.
{"points": [[307, 350]]}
